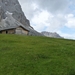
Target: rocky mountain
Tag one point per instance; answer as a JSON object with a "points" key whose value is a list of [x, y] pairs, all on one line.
{"points": [[51, 34], [14, 7], [17, 15]]}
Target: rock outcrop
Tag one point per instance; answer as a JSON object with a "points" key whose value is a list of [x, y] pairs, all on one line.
{"points": [[50, 34], [14, 7], [1, 13]]}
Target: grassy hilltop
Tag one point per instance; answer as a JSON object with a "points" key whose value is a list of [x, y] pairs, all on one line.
{"points": [[31, 55]]}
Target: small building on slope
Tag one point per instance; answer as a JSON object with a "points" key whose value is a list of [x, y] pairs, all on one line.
{"points": [[14, 30]]}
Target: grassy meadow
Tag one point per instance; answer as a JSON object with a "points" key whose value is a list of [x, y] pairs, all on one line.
{"points": [[32, 55]]}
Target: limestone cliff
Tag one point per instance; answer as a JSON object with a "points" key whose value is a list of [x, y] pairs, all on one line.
{"points": [[14, 8]]}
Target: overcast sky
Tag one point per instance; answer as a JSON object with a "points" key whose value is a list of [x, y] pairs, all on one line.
{"points": [[51, 15]]}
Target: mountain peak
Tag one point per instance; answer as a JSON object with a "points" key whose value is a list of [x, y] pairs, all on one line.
{"points": [[51, 34], [14, 7]]}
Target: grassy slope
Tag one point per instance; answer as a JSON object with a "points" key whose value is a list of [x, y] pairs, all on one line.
{"points": [[27, 55]]}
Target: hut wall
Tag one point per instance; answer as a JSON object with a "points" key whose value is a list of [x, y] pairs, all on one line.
{"points": [[12, 31], [3, 32], [20, 30]]}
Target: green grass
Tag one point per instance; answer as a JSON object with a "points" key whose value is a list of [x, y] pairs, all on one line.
{"points": [[31, 55]]}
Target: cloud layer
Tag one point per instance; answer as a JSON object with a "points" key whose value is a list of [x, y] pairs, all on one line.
{"points": [[50, 15]]}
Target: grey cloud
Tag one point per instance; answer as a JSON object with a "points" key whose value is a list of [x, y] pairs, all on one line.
{"points": [[53, 5]]}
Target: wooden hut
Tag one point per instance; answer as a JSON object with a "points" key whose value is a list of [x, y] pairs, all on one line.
{"points": [[14, 30]]}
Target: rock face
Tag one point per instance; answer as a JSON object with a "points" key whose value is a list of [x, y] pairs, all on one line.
{"points": [[14, 8], [1, 13], [9, 21], [50, 34]]}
